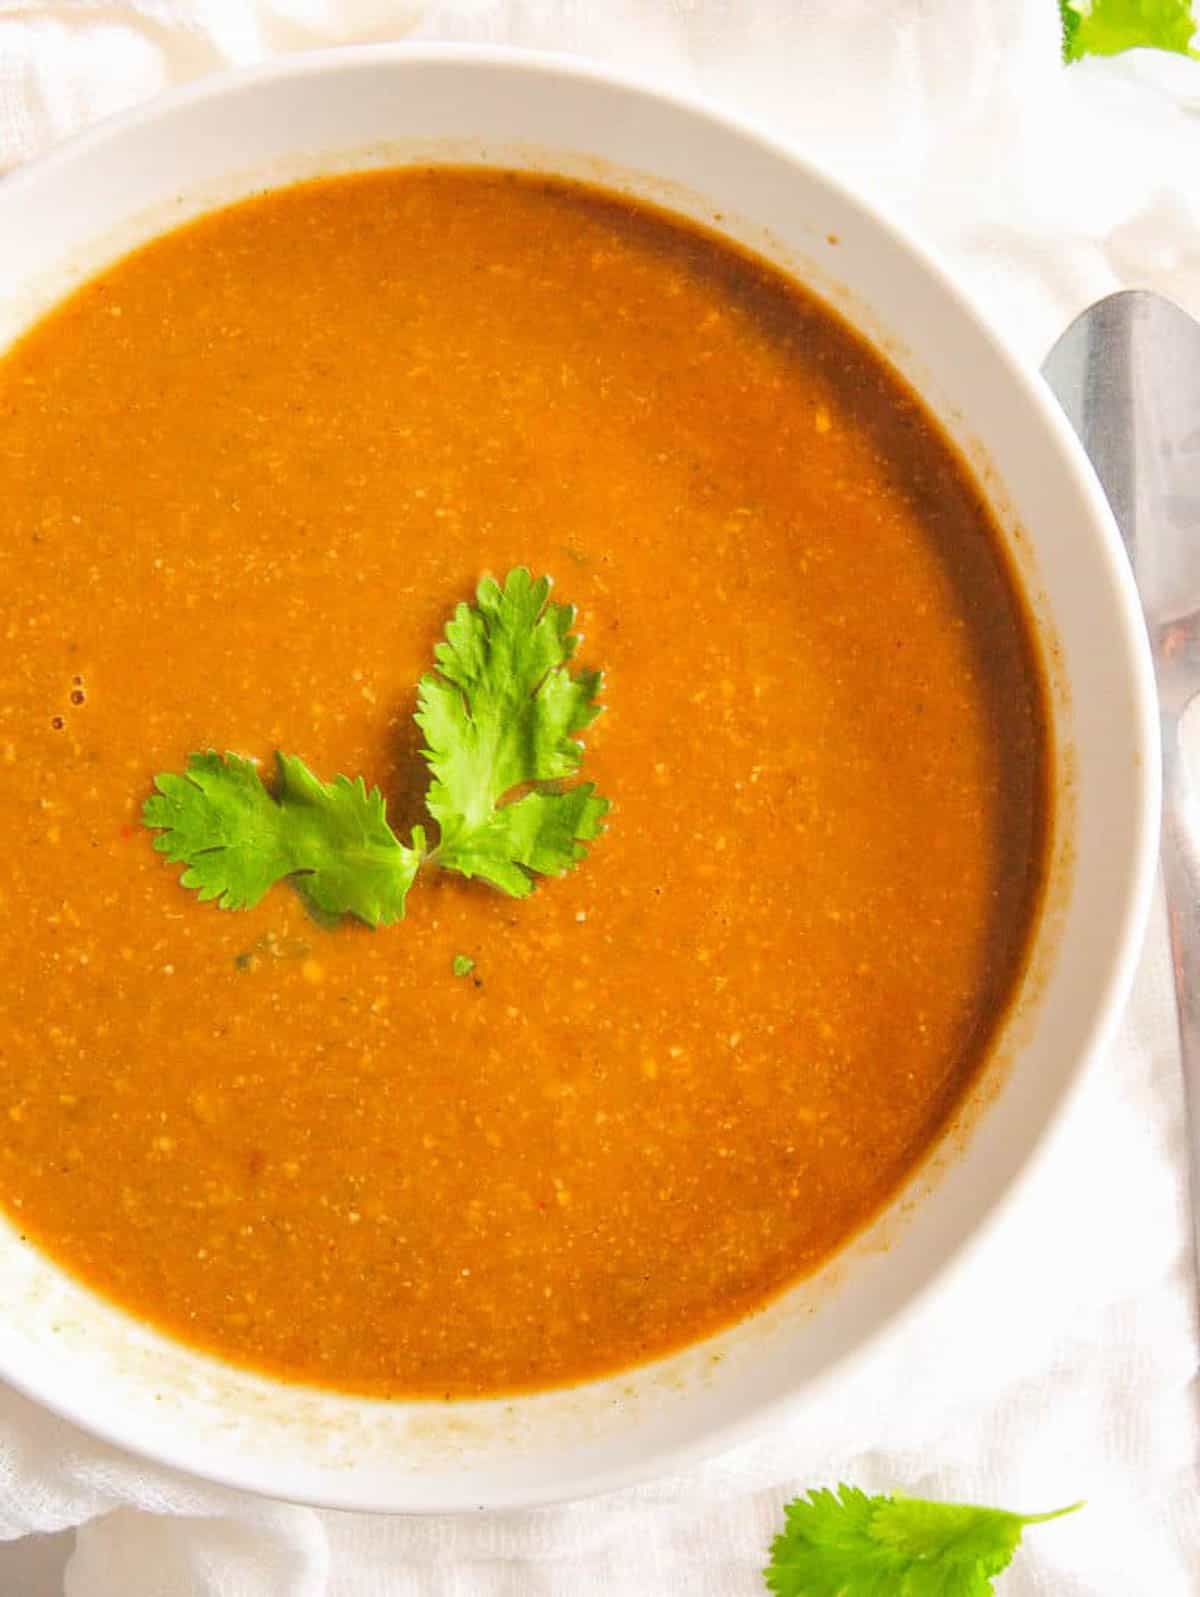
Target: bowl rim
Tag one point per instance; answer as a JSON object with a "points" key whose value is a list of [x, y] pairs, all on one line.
{"points": [[1106, 1002]]}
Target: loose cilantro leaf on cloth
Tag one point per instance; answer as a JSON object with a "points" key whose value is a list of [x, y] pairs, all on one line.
{"points": [[1109, 27], [238, 840], [847, 1544], [499, 714]]}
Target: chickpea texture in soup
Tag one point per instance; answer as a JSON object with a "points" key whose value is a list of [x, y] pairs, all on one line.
{"points": [[246, 475]]}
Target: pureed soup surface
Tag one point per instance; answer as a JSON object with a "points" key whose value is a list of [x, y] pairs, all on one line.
{"points": [[245, 475]]}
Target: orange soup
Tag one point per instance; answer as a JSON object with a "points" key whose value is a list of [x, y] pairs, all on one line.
{"points": [[245, 475]]}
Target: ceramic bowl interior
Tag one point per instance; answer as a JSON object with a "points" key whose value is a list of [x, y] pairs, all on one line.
{"points": [[95, 198]]}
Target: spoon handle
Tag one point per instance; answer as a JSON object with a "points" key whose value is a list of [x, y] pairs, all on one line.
{"points": [[1181, 879], [1127, 374]]}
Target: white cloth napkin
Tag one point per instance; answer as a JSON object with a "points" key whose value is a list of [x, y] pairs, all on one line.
{"points": [[1059, 1364]]}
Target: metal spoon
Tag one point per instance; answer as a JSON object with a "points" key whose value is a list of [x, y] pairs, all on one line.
{"points": [[1127, 373]]}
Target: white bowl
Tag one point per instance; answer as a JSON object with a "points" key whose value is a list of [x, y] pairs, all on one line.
{"points": [[128, 179]]}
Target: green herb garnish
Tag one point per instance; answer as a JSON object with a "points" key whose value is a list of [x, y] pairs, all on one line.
{"points": [[846, 1544], [462, 964], [1109, 27], [238, 840], [499, 714]]}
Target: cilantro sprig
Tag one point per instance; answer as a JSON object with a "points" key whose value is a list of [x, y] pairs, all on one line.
{"points": [[500, 714], [848, 1544], [1110, 27]]}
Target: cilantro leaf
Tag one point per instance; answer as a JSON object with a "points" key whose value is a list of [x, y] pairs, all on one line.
{"points": [[237, 840], [1109, 27], [847, 1544], [361, 867], [220, 821], [499, 714], [462, 964]]}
